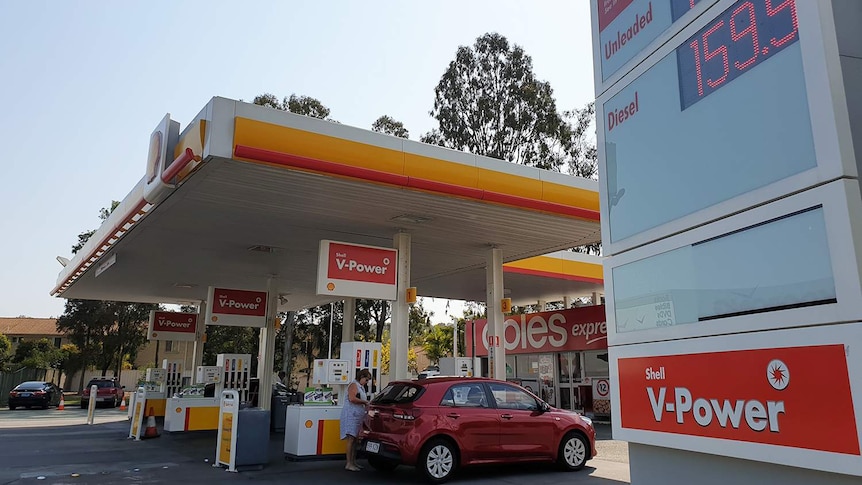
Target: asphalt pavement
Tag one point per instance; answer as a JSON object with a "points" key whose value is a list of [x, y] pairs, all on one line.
{"points": [[57, 447]]}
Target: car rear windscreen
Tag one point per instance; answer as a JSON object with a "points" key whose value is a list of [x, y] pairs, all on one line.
{"points": [[398, 394]]}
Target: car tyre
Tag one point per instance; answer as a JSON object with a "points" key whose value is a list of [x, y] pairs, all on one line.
{"points": [[438, 460], [84, 405], [382, 464], [45, 405], [12, 407], [574, 451]]}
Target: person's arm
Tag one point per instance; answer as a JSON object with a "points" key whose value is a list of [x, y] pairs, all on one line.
{"points": [[353, 394]]}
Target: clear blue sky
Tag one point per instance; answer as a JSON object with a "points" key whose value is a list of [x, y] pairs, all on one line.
{"points": [[85, 82]]}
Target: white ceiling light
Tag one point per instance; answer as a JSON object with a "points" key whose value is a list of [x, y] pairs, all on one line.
{"points": [[411, 218]]}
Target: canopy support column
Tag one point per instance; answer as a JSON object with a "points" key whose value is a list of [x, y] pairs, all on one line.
{"points": [[348, 326], [399, 331], [496, 331], [266, 356]]}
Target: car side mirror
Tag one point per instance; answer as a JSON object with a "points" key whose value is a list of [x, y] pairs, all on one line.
{"points": [[544, 407], [122, 387], [60, 388]]}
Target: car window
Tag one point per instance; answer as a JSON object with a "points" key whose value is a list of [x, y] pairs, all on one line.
{"points": [[101, 384], [398, 393], [30, 386], [509, 397], [465, 395]]}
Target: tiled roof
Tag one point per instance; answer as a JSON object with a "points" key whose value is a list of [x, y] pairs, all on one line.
{"points": [[28, 326]]}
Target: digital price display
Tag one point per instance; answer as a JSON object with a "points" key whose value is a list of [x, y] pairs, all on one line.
{"points": [[680, 7], [733, 43], [670, 151], [626, 27]]}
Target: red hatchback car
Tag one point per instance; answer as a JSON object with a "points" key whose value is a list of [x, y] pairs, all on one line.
{"points": [[441, 423]]}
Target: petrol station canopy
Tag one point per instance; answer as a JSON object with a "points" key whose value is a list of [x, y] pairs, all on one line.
{"points": [[245, 194]]}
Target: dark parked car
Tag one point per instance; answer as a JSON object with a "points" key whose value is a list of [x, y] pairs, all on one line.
{"points": [[109, 392], [442, 423], [35, 393]]}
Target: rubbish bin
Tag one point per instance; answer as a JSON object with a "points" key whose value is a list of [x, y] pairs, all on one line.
{"points": [[279, 412], [252, 440]]}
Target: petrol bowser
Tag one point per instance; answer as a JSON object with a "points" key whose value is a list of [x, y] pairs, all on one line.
{"points": [[235, 373], [173, 377], [456, 366], [363, 355], [334, 374]]}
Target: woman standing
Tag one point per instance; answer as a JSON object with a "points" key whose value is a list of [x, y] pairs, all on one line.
{"points": [[352, 414]]}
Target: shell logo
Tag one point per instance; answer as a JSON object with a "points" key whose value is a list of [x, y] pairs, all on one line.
{"points": [[178, 410], [155, 334], [778, 375], [309, 424], [330, 286], [214, 318]]}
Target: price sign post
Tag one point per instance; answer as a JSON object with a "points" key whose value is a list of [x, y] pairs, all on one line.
{"points": [[731, 216], [227, 430]]}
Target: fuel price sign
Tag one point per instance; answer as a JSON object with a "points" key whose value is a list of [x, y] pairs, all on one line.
{"points": [[723, 113], [626, 27]]}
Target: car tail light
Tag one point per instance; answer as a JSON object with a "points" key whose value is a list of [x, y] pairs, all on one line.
{"points": [[39, 393], [406, 414], [13, 393]]}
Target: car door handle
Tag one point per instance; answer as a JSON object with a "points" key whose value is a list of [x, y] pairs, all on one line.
{"points": [[453, 415], [506, 416]]}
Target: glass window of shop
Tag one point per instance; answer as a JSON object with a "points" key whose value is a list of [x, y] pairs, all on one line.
{"points": [[596, 364]]}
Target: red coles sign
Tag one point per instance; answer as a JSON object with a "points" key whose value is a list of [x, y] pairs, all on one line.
{"points": [[581, 328]]}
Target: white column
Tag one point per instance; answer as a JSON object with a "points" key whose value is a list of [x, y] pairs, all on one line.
{"points": [[596, 298], [267, 347], [399, 330], [567, 302], [198, 352], [348, 326], [543, 305], [494, 293]]}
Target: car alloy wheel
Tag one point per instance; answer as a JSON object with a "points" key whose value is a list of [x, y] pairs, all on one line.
{"points": [[573, 451], [438, 461]]}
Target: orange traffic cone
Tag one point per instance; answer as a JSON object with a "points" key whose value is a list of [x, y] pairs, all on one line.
{"points": [[123, 403], [62, 405], [151, 431]]}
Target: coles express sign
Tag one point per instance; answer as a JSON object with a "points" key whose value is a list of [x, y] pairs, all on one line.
{"points": [[357, 271], [581, 328], [766, 396]]}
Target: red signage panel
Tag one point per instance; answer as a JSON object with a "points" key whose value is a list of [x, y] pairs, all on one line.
{"points": [[765, 396], [239, 302], [362, 263], [610, 10], [175, 322], [358, 271], [172, 326], [582, 328]]}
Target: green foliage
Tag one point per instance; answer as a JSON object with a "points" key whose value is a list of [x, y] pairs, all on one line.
{"points": [[370, 320], [386, 349], [222, 339], [301, 105], [5, 351], [37, 354], [489, 102], [388, 125], [420, 323], [105, 331], [104, 213], [438, 342]]}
